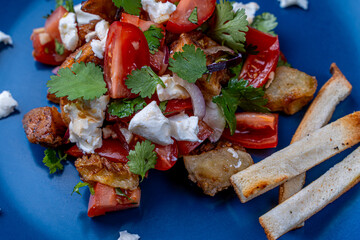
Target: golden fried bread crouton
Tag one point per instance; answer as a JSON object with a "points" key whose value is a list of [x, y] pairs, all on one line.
{"points": [[290, 90], [44, 126], [100, 169], [104, 8], [85, 29], [212, 170]]}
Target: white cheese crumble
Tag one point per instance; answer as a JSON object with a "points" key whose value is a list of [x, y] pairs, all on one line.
{"points": [[287, 3], [184, 128], [125, 235], [151, 124], [159, 12], [6, 39], [98, 46], [214, 117], [68, 31], [172, 90], [250, 9], [82, 17], [7, 104], [87, 117]]}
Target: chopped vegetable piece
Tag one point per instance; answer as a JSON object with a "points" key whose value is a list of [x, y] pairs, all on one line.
{"points": [[193, 16], [154, 36], [266, 22], [59, 47], [126, 107], [130, 6], [67, 4], [52, 161]]}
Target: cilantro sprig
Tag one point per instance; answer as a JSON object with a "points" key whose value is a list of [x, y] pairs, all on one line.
{"points": [[143, 81], [126, 107], [120, 193], [53, 160], [153, 36], [67, 4], [265, 22], [190, 64], [230, 27], [142, 158], [82, 81], [193, 18], [239, 93], [83, 184], [132, 7]]}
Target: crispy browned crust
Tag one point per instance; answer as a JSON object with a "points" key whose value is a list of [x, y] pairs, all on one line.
{"points": [[44, 126], [85, 29], [104, 8], [99, 169]]}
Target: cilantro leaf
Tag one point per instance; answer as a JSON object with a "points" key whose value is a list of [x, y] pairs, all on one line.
{"points": [[194, 16], [281, 62], [82, 81], [83, 184], [126, 107], [190, 64], [266, 22], [238, 93], [119, 192], [142, 159], [132, 7], [153, 36], [162, 106], [67, 4], [230, 27], [143, 81], [52, 161], [59, 47]]}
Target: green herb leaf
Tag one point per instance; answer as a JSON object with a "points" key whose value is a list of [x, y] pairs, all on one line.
{"points": [[194, 16], [132, 7], [126, 107], [142, 159], [162, 106], [82, 81], [52, 161], [59, 47], [119, 192], [238, 93], [143, 81], [266, 22], [281, 62], [67, 4], [153, 36], [83, 184], [190, 64], [230, 27]]}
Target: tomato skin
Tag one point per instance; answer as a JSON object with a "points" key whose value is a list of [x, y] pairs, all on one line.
{"points": [[257, 68], [179, 23], [126, 50], [106, 200], [255, 130], [167, 156], [185, 147], [178, 105], [52, 23]]}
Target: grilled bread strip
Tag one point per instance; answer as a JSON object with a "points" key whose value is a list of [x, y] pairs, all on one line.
{"points": [[297, 157], [335, 90], [312, 198]]}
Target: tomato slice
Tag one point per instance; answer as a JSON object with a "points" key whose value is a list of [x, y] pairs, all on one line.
{"points": [[126, 50], [178, 105], [167, 156], [106, 200], [52, 23], [257, 68], [179, 20], [255, 130], [185, 147]]}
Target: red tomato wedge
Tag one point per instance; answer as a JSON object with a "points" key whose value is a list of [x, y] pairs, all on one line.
{"points": [[126, 50], [52, 23], [255, 130], [257, 68], [179, 20], [185, 147], [167, 156], [106, 200], [178, 105]]}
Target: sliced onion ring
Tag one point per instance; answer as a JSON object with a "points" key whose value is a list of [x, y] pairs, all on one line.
{"points": [[216, 49], [214, 67], [197, 98]]}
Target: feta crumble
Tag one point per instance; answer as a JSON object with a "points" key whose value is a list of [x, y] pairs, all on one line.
{"points": [[184, 128], [250, 9], [159, 12], [125, 235], [98, 46], [172, 90], [87, 117], [6, 39], [7, 104], [82, 17], [287, 3], [151, 124], [68, 31]]}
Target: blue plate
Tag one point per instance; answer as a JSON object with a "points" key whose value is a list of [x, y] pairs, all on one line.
{"points": [[36, 205]]}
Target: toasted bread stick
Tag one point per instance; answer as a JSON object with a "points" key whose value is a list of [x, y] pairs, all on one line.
{"points": [[335, 90], [297, 158], [312, 198]]}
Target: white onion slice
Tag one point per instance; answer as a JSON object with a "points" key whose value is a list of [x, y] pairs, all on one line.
{"points": [[197, 99], [214, 117]]}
